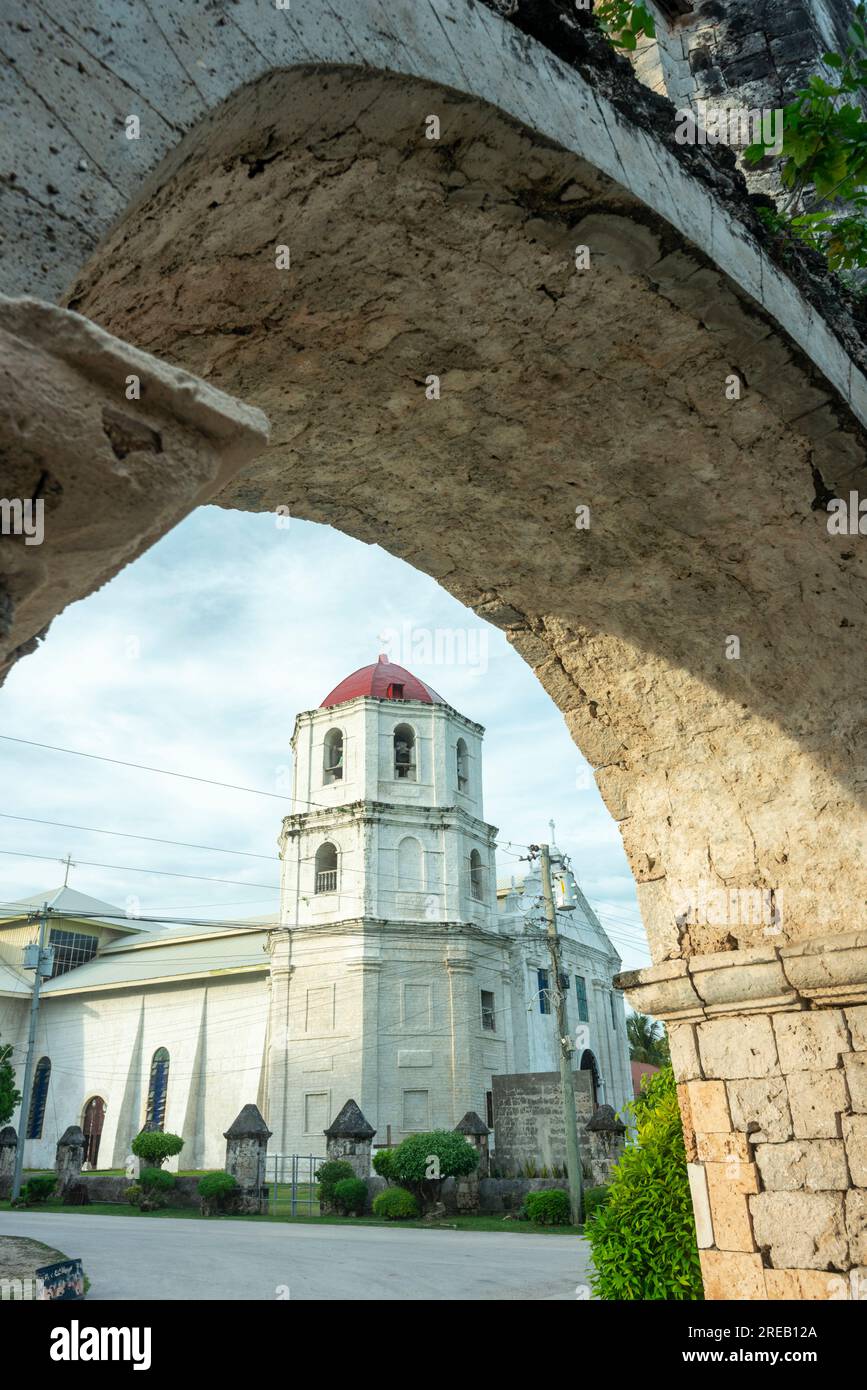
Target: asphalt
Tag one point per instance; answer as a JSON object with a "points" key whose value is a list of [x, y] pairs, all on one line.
{"points": [[131, 1259]]}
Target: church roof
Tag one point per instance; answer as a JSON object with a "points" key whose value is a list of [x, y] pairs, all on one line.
{"points": [[384, 680], [68, 902]]}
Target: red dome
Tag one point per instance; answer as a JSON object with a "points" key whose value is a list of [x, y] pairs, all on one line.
{"points": [[383, 681]]}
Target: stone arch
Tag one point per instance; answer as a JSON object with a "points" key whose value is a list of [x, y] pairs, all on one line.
{"points": [[589, 1063], [410, 872]]}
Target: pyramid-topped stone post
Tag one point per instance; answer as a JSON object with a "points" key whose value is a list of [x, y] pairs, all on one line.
{"points": [[607, 1139], [8, 1150], [476, 1132], [69, 1157], [246, 1147], [350, 1137]]}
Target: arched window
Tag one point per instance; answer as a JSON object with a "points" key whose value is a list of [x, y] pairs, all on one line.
{"points": [[463, 765], [477, 872], [589, 1063], [326, 868], [409, 871], [404, 753], [91, 1126], [38, 1097], [332, 756], [157, 1090]]}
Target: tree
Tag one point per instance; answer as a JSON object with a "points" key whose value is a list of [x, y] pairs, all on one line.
{"points": [[153, 1147], [422, 1162], [9, 1093], [647, 1040]]}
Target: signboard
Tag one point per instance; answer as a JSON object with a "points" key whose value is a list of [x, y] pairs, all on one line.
{"points": [[62, 1280]]}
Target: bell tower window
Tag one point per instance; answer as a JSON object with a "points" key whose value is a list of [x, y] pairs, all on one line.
{"points": [[404, 754], [326, 868], [462, 765], [477, 886], [332, 757]]}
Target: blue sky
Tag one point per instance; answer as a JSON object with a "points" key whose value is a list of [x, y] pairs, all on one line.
{"points": [[197, 658]]}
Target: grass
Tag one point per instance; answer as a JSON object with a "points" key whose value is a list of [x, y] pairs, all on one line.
{"points": [[462, 1222]]}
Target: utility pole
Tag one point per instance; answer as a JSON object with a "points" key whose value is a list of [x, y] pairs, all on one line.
{"points": [[564, 1047], [40, 958]]}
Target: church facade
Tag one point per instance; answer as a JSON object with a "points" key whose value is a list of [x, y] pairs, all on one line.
{"points": [[396, 972]]}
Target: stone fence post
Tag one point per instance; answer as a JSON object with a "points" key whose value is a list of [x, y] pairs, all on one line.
{"points": [[8, 1150], [350, 1138], [473, 1127], [606, 1137], [69, 1157], [246, 1147]]}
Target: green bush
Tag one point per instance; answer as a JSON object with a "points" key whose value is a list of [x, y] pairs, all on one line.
{"points": [[152, 1189], [39, 1189], [549, 1208], [350, 1196], [383, 1164], [395, 1204], [594, 1198], [422, 1162], [329, 1175], [218, 1191], [133, 1194], [156, 1180], [643, 1236], [153, 1147]]}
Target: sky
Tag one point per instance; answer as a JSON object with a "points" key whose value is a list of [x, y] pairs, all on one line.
{"points": [[197, 658]]}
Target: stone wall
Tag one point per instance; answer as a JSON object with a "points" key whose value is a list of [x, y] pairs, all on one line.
{"points": [[528, 1120]]}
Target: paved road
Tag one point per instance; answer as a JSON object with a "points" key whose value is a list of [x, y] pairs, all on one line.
{"points": [[129, 1258]]}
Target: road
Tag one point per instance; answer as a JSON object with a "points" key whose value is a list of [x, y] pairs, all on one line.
{"points": [[128, 1258]]}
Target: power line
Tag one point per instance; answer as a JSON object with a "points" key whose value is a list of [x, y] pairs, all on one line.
{"points": [[131, 869], [129, 835]]}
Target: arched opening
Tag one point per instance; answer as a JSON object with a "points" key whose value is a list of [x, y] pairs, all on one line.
{"points": [[325, 868], [462, 766], [589, 1063], [158, 1086], [403, 743], [38, 1098], [92, 1124], [477, 876], [410, 878], [332, 756]]}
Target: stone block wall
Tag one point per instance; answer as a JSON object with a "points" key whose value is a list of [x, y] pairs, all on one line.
{"points": [[528, 1120]]}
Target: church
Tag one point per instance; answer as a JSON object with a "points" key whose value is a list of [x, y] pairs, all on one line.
{"points": [[396, 972]]}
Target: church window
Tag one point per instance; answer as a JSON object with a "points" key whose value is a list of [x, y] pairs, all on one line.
{"points": [[91, 1126], [38, 1097], [463, 769], [157, 1090], [332, 756], [395, 691], [409, 872], [404, 753], [613, 1001], [543, 986], [489, 1018], [326, 868], [489, 1109], [71, 948], [581, 990], [477, 884]]}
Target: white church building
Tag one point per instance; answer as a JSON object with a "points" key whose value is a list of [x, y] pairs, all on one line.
{"points": [[396, 973]]}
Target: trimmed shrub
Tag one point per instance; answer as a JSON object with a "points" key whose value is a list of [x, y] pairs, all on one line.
{"points": [[395, 1204], [422, 1162], [643, 1236], [154, 1186], [383, 1164], [594, 1198], [38, 1189], [550, 1208], [350, 1196], [218, 1191], [329, 1175], [153, 1147], [133, 1194]]}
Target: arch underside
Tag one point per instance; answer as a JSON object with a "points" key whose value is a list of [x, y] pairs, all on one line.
{"points": [[560, 389]]}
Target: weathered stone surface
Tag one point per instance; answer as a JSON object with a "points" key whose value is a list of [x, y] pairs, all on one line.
{"points": [[700, 1205], [738, 1047], [729, 1185], [686, 1123], [856, 1224], [856, 1080], [761, 1108], [718, 1148], [816, 1099], [855, 1137], [684, 1051], [709, 1107], [857, 1023], [810, 1041], [801, 1230], [728, 1275], [805, 1283], [812, 1165]]}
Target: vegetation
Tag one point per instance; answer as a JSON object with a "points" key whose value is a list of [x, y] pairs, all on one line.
{"points": [[153, 1147], [823, 162], [382, 1164], [38, 1190], [624, 23], [152, 1189], [647, 1040], [329, 1175], [9, 1093], [218, 1191], [643, 1236], [550, 1208], [395, 1204], [350, 1196], [422, 1162], [594, 1198]]}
